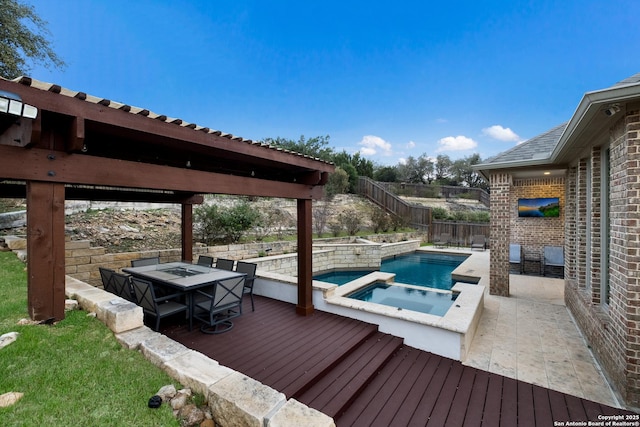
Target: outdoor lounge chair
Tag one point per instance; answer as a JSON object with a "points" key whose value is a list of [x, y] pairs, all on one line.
{"points": [[216, 305], [553, 257], [122, 286], [106, 274], [478, 242], [145, 261], [205, 260], [225, 264], [443, 240], [249, 269], [158, 307], [515, 257]]}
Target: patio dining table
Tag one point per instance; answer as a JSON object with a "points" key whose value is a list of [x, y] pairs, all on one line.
{"points": [[182, 276]]}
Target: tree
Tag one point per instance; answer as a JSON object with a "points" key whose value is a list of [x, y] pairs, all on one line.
{"points": [[442, 166], [386, 174], [313, 147], [338, 183], [463, 172], [417, 171], [23, 39]]}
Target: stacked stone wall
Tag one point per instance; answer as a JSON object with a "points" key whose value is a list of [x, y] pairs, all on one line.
{"points": [[82, 261]]}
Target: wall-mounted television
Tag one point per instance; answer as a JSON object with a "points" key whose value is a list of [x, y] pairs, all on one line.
{"points": [[542, 207]]}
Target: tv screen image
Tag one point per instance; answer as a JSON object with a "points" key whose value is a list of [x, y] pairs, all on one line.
{"points": [[542, 207]]}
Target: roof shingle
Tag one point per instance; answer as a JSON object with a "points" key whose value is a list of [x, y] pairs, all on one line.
{"points": [[537, 148]]}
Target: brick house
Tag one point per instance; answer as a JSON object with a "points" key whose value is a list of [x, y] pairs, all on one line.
{"points": [[592, 165]]}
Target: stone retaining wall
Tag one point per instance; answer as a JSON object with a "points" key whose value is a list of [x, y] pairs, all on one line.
{"points": [[234, 398], [82, 260]]}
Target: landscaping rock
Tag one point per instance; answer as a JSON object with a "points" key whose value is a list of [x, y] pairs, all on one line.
{"points": [[10, 398], [167, 392], [8, 338], [181, 399], [191, 415]]}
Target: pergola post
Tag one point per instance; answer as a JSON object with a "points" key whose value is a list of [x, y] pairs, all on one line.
{"points": [[187, 231], [45, 250], [305, 274]]}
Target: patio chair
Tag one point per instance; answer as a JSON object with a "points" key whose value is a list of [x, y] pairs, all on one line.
{"points": [[224, 264], [553, 258], [145, 261], [443, 240], [122, 286], [216, 305], [515, 256], [158, 307], [478, 242], [205, 260], [249, 269], [106, 274]]}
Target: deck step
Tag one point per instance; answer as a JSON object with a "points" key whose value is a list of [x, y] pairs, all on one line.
{"points": [[332, 392], [325, 359]]}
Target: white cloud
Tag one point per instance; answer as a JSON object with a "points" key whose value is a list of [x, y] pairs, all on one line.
{"points": [[500, 133], [456, 143], [411, 144], [372, 145]]}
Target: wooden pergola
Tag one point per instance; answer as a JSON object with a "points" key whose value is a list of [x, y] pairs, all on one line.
{"points": [[57, 145]]}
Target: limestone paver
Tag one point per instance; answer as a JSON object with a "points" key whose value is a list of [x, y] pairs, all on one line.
{"points": [[531, 336]]}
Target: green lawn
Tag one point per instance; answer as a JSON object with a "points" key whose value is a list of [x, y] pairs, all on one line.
{"points": [[74, 372]]}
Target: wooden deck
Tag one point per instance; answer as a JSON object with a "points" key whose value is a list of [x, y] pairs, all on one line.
{"points": [[361, 377]]}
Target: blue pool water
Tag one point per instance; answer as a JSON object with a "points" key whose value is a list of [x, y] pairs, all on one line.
{"points": [[421, 269], [431, 302]]}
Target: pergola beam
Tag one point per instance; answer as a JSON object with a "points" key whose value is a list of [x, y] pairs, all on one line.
{"points": [[56, 166]]}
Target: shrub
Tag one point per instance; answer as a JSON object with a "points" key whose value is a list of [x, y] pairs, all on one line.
{"points": [[268, 221], [336, 228], [224, 224], [381, 220], [398, 223], [321, 212], [351, 221], [439, 213]]}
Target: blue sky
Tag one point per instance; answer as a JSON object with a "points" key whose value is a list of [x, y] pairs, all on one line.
{"points": [[387, 79]]}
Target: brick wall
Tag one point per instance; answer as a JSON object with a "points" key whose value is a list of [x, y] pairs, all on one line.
{"points": [[535, 233], [501, 208], [613, 329]]}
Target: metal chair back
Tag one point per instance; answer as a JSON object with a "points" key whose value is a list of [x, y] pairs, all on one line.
{"points": [[249, 269], [205, 260], [122, 286], [106, 274], [145, 261], [219, 304], [225, 264], [144, 294]]}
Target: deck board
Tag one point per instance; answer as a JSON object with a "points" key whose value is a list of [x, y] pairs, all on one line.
{"points": [[405, 386]]}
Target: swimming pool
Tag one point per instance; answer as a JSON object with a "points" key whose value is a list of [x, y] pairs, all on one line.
{"points": [[424, 301], [417, 268]]}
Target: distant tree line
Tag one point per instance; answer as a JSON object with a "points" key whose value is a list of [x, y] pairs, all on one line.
{"points": [[425, 169]]}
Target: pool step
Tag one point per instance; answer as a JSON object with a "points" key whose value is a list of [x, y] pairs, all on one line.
{"points": [[334, 390]]}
